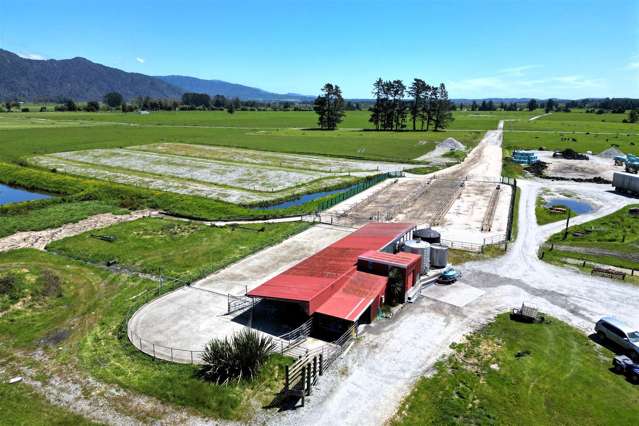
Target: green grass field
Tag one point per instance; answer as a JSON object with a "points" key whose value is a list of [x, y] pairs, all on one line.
{"points": [[75, 314], [577, 121], [563, 378], [552, 141], [255, 119], [174, 248], [610, 240]]}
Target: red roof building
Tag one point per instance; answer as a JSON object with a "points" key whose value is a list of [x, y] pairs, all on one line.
{"points": [[330, 282]]}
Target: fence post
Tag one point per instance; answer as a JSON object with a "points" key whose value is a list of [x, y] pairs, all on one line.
{"points": [[171, 354], [286, 378], [154, 351], [192, 357], [321, 364], [308, 378], [314, 367]]}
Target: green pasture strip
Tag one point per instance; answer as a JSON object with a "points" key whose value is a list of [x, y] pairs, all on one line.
{"points": [[76, 314], [525, 374], [34, 217], [477, 120], [557, 141], [174, 248], [578, 122]]}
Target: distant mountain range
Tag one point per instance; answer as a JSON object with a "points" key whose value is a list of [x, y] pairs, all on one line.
{"points": [[229, 90], [82, 80], [77, 78]]}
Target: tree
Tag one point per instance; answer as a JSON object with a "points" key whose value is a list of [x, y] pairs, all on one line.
{"points": [[532, 105], [113, 99], [377, 109], [69, 105], [417, 91], [443, 116], [197, 100], [329, 107], [231, 108], [550, 106], [633, 116], [93, 106]]}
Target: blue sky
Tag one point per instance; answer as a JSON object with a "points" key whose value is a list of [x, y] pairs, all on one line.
{"points": [[488, 48]]}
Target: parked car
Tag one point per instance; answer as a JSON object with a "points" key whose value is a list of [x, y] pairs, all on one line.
{"points": [[610, 328]]}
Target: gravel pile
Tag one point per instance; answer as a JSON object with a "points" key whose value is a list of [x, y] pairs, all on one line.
{"points": [[451, 144], [611, 152]]}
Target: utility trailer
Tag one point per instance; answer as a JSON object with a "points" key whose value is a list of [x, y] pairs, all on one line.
{"points": [[626, 183]]}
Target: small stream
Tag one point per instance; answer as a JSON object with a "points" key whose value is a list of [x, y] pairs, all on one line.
{"points": [[577, 206], [9, 194]]}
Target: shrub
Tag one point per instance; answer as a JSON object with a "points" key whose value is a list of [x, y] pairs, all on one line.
{"points": [[235, 358]]}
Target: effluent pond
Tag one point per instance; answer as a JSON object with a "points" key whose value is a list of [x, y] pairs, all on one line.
{"points": [[10, 195], [577, 206]]}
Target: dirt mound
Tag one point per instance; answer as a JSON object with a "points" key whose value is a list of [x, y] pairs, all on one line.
{"points": [[451, 144], [611, 152]]}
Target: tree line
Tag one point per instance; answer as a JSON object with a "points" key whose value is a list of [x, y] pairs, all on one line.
{"points": [[427, 105]]}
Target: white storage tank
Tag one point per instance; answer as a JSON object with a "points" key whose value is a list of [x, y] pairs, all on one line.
{"points": [[438, 256], [421, 248]]}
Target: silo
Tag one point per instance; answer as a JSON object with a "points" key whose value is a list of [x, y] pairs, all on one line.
{"points": [[429, 235], [421, 248], [438, 256]]}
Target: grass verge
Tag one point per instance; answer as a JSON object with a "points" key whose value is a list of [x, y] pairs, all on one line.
{"points": [[559, 377]]}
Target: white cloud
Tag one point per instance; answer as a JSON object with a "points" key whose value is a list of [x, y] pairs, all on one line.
{"points": [[509, 83], [518, 71], [140, 60], [33, 56], [632, 66]]}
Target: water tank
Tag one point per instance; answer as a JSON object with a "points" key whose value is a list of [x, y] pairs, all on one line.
{"points": [[438, 256], [428, 234], [421, 248]]}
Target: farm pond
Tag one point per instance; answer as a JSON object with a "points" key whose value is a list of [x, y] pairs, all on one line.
{"points": [[577, 206], [9, 194]]}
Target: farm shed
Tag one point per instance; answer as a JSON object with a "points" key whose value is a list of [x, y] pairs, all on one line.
{"points": [[348, 279]]}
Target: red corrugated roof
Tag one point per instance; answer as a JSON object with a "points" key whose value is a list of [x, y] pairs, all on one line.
{"points": [[313, 278], [401, 259], [350, 301]]}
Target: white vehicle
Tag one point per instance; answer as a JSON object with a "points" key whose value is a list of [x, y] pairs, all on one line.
{"points": [[610, 328]]}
